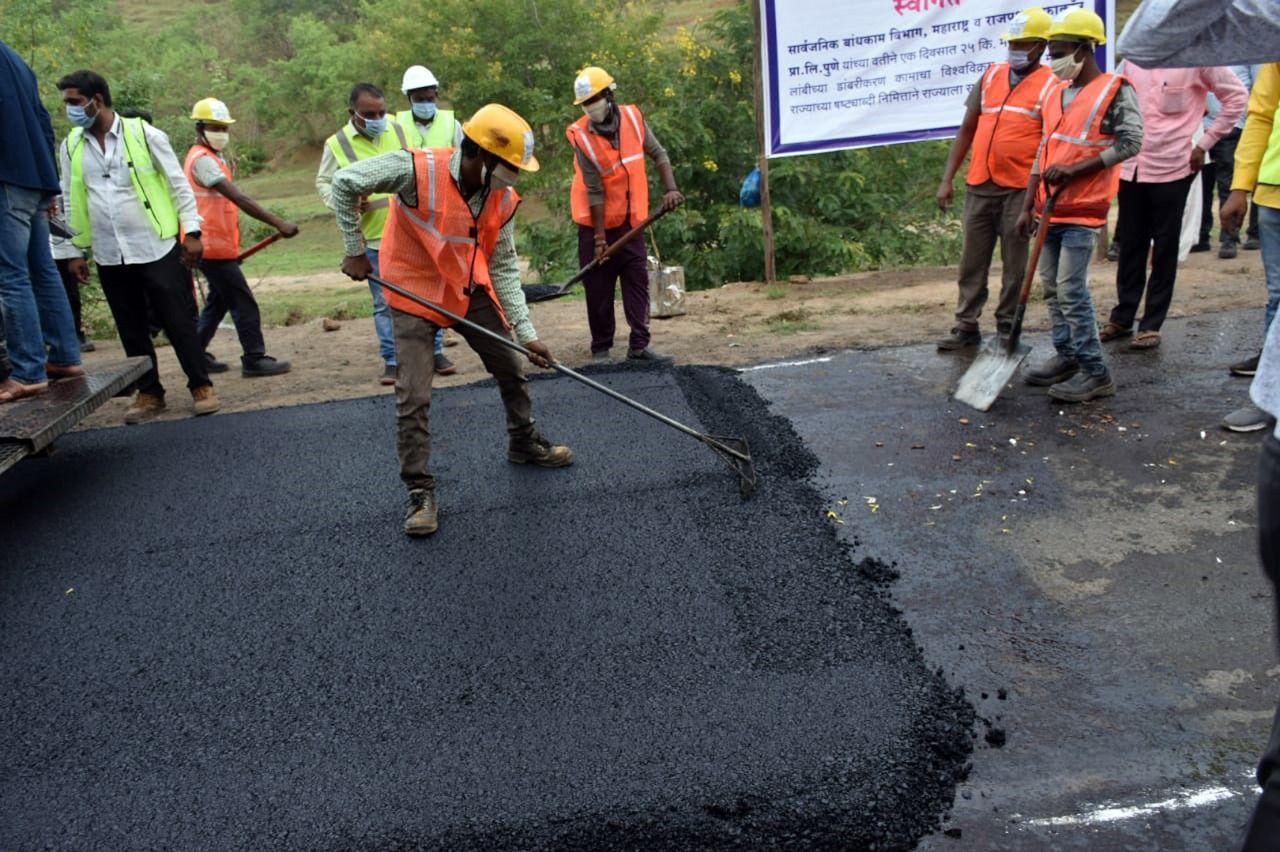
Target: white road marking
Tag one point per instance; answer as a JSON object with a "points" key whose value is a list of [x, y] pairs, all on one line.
{"points": [[786, 364], [1182, 801]]}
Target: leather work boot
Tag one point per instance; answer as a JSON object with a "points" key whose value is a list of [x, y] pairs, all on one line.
{"points": [[443, 366], [1083, 387], [213, 365], [959, 338], [144, 407], [649, 354], [1056, 369], [421, 517], [536, 449], [263, 365], [204, 400]]}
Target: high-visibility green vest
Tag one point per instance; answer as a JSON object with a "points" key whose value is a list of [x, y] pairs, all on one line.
{"points": [[1269, 172], [151, 186], [441, 133], [349, 146]]}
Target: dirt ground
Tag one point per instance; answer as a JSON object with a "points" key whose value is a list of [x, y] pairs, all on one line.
{"points": [[735, 325]]}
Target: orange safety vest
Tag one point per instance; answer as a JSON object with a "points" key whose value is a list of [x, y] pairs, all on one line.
{"points": [[220, 232], [1009, 126], [1076, 135], [626, 185], [439, 249]]}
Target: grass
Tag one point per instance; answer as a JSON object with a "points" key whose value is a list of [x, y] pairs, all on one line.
{"points": [[790, 322], [777, 291]]}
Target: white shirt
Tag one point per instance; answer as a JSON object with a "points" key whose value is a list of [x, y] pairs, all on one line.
{"points": [[122, 229]]}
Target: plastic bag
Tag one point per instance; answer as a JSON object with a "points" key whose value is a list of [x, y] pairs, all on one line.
{"points": [[749, 195]]}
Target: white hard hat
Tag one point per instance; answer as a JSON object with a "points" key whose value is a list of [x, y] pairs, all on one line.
{"points": [[417, 77]]}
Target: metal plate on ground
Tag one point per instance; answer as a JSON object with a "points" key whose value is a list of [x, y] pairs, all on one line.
{"points": [[34, 423], [12, 452]]}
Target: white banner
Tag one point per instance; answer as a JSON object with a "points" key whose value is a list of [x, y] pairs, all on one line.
{"points": [[875, 72]]}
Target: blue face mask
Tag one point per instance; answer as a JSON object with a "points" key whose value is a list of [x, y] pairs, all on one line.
{"points": [[374, 127], [425, 110], [79, 117]]}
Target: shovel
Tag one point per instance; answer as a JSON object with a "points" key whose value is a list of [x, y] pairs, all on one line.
{"points": [[995, 365], [732, 450], [258, 246], [567, 287]]}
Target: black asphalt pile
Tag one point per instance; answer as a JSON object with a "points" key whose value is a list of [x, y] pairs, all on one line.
{"points": [[213, 633]]}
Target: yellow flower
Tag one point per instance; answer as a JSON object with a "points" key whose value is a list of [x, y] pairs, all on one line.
{"points": [[735, 77], [710, 165], [669, 92]]}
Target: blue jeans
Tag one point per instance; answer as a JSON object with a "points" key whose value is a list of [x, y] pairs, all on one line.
{"points": [[1269, 237], [382, 317], [1064, 271], [36, 311]]}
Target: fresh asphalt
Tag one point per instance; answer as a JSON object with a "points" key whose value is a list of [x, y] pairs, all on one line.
{"points": [[214, 635], [1087, 574]]}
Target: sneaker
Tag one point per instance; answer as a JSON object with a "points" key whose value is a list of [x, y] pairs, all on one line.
{"points": [[421, 517], [1247, 367], [213, 365], [959, 338], [444, 367], [1252, 244], [601, 358], [649, 354], [145, 406], [264, 365], [388, 376], [1056, 369], [204, 400], [536, 449], [1083, 387], [1247, 419], [1227, 251], [1113, 251], [1203, 245]]}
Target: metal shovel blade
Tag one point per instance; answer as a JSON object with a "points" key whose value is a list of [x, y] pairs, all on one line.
{"points": [[736, 452], [990, 372]]}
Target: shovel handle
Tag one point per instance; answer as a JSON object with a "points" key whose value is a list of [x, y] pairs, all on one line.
{"points": [[259, 246], [613, 249]]}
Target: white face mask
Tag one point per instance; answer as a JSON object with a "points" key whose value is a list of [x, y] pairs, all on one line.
{"points": [[597, 111], [217, 139], [1019, 59], [1066, 67]]}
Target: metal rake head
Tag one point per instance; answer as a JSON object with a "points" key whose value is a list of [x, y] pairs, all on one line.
{"points": [[736, 452]]}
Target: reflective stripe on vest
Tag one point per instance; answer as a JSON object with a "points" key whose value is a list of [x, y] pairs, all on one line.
{"points": [[622, 170], [440, 134], [220, 231], [1076, 135], [150, 186], [439, 249], [349, 146], [1009, 126]]}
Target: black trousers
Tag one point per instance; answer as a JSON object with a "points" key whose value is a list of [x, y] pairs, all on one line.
{"points": [[1150, 213], [72, 285], [229, 291], [1263, 832], [165, 286]]}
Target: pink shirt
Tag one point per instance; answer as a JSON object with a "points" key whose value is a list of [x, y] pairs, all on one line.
{"points": [[1173, 107]]}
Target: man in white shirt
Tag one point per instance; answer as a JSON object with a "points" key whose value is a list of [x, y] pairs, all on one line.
{"points": [[126, 196]]}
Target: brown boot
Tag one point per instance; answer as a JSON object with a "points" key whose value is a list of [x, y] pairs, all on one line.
{"points": [[145, 406], [205, 400], [536, 449], [421, 517]]}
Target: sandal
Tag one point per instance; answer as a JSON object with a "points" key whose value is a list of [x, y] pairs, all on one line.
{"points": [[1145, 340], [12, 391], [1113, 331]]}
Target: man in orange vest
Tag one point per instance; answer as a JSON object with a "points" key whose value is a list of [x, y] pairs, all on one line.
{"points": [[609, 197], [1002, 124], [450, 237], [220, 202], [1091, 125]]}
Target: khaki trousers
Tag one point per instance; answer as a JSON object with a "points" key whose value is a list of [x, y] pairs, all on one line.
{"points": [[986, 219]]}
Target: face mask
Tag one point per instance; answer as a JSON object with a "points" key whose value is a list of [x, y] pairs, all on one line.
{"points": [[1066, 67], [597, 111], [502, 177], [374, 127], [78, 116], [1019, 59], [217, 139], [425, 110]]}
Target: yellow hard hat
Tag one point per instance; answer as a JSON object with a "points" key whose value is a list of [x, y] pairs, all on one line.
{"points": [[502, 131], [1079, 24], [590, 82], [213, 111], [1033, 23]]}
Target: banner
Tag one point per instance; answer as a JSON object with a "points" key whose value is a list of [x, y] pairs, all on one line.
{"points": [[877, 72]]}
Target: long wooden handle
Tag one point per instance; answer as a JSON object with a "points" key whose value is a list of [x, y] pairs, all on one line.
{"points": [[1033, 260], [614, 249], [257, 247]]}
